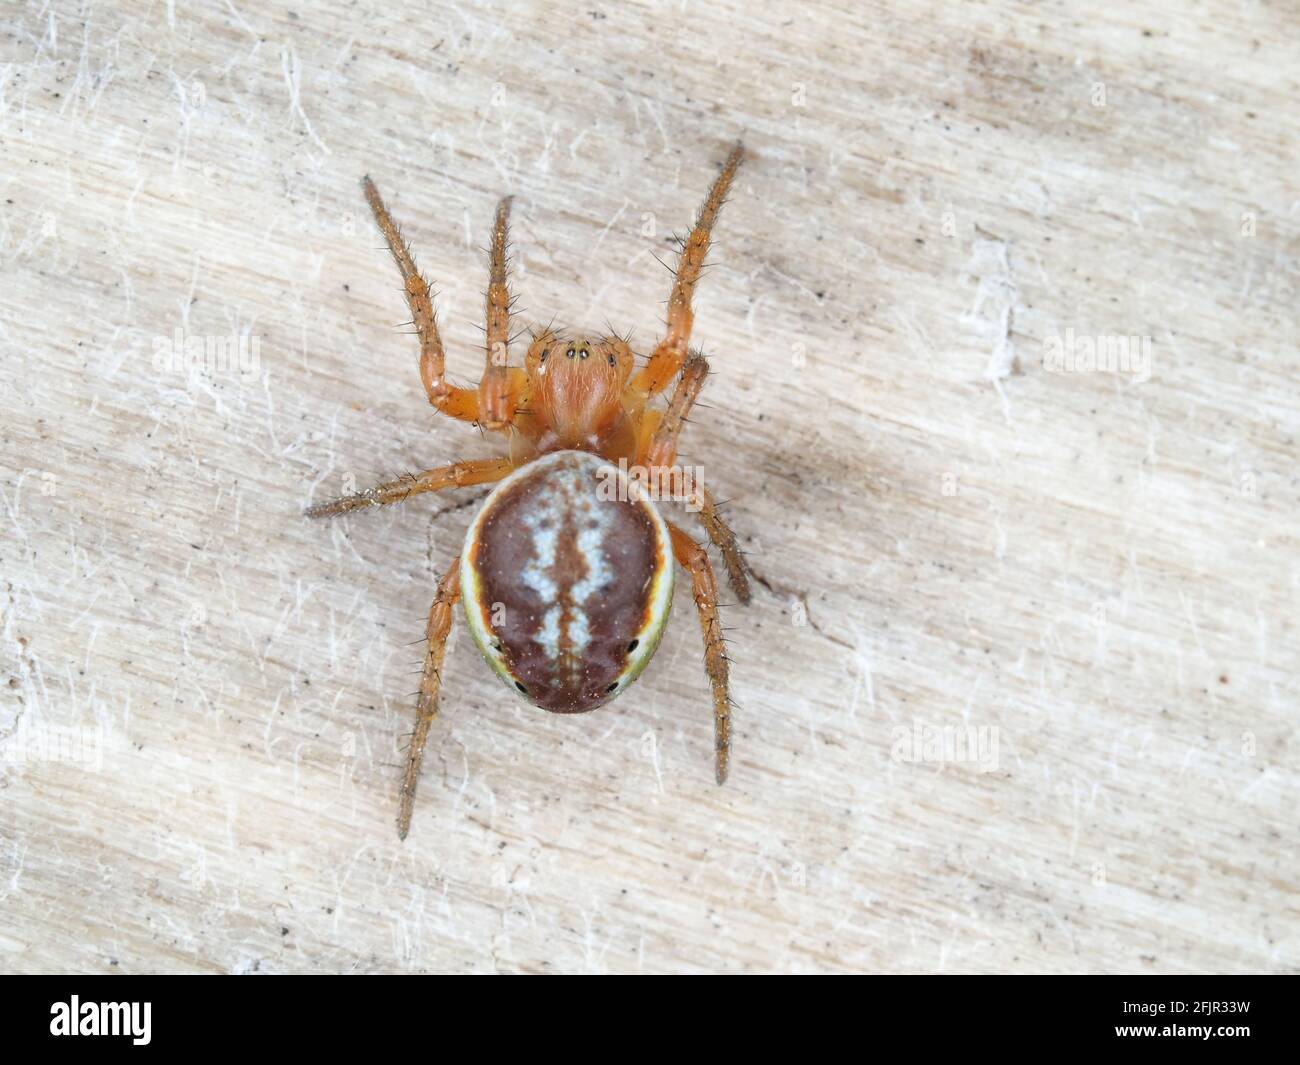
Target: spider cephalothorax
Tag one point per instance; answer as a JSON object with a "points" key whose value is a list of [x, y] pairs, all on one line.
{"points": [[576, 388], [566, 574]]}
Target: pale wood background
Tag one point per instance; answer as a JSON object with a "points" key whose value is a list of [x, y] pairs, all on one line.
{"points": [[1101, 569]]}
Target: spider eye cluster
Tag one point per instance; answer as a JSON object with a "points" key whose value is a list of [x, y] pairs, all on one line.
{"points": [[578, 352]]}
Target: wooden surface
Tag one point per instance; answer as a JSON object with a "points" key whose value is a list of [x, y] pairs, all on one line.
{"points": [[1091, 575]]}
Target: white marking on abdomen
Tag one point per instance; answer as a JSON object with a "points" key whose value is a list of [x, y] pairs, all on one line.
{"points": [[536, 574], [549, 634], [598, 573], [569, 493]]}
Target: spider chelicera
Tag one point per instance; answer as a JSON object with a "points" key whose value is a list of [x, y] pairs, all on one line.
{"points": [[566, 574]]}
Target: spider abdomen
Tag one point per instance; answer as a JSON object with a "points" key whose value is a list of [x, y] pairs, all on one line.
{"points": [[566, 578]]}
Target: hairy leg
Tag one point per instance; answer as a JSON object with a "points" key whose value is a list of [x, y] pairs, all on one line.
{"points": [[457, 475], [498, 390], [426, 708], [693, 559], [659, 450], [724, 539], [662, 448], [671, 353], [461, 403]]}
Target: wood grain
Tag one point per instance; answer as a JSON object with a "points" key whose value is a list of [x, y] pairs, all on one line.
{"points": [[1018, 687]]}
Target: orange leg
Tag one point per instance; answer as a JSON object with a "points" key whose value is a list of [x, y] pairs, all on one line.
{"points": [[457, 475], [692, 558], [498, 391], [426, 708], [671, 353], [659, 450], [461, 403], [725, 541], [662, 449]]}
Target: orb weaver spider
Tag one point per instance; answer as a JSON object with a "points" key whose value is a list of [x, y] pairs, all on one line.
{"points": [[566, 588]]}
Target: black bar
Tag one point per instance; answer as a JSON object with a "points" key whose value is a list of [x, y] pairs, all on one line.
{"points": [[304, 1014]]}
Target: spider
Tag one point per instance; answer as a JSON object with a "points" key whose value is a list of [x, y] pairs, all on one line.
{"points": [[566, 584]]}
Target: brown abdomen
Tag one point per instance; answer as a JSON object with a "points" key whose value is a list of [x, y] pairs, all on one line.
{"points": [[566, 579]]}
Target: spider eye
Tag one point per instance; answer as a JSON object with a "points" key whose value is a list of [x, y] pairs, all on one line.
{"points": [[613, 361], [584, 353], [569, 353], [545, 352]]}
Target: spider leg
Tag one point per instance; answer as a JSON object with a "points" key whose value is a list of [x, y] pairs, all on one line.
{"points": [[457, 475], [659, 451], [498, 390], [724, 539], [460, 403], [671, 352], [695, 561], [662, 447], [426, 708]]}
